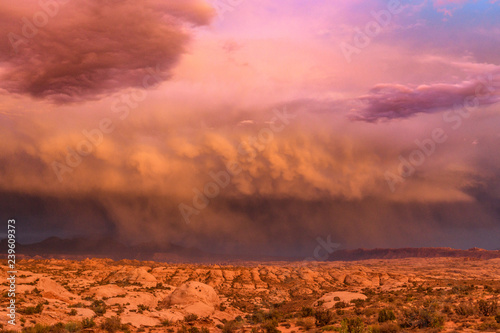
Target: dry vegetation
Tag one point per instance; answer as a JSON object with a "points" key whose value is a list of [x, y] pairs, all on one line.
{"points": [[400, 295]]}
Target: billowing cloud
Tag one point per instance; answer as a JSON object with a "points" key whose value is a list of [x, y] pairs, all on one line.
{"points": [[319, 175], [83, 49]]}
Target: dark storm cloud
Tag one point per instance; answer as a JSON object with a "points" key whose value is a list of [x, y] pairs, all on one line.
{"points": [[259, 226], [83, 49]]}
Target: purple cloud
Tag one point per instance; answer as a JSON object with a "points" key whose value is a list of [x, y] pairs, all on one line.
{"points": [[392, 101]]}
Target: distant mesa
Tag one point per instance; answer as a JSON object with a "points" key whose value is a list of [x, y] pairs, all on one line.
{"points": [[82, 248]]}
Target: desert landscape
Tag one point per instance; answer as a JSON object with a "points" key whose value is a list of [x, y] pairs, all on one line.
{"points": [[249, 166], [376, 295]]}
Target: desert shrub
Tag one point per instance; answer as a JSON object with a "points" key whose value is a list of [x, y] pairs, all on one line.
{"points": [[307, 312], [73, 327], [205, 330], [497, 318], [72, 312], [256, 318], [447, 309], [194, 329], [30, 310], [166, 322], [190, 318], [77, 305], [488, 325], [88, 323], [359, 303], [273, 314], [112, 324], [142, 307], [270, 326], [231, 326], [464, 310], [306, 323], [39, 328], [323, 317], [182, 329], [385, 315], [329, 328], [352, 325], [99, 307], [336, 298], [341, 305], [386, 328], [370, 311], [487, 308], [463, 290], [423, 318]]}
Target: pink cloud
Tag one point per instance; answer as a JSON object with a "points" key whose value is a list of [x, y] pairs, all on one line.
{"points": [[84, 49]]}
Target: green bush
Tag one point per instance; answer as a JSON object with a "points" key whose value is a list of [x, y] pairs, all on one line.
{"points": [[487, 308], [359, 303], [231, 326], [352, 325], [270, 326], [464, 310], [30, 310], [99, 307], [386, 328], [112, 324], [182, 329], [306, 312], [88, 323], [190, 318], [341, 305], [423, 318], [73, 327], [329, 328], [386, 315], [306, 324], [194, 329], [323, 317], [39, 328]]}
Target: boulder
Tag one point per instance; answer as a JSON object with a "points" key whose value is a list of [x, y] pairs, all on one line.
{"points": [[193, 297]]}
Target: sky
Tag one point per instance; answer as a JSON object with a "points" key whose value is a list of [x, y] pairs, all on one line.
{"points": [[251, 126]]}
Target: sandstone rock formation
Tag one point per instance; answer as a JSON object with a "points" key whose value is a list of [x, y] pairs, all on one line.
{"points": [[194, 298]]}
